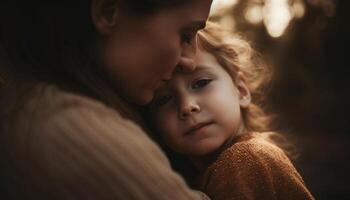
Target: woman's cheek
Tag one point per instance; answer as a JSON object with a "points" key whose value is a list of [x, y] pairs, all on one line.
{"points": [[169, 58]]}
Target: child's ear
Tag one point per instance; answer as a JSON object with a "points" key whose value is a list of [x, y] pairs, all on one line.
{"points": [[104, 16], [243, 91]]}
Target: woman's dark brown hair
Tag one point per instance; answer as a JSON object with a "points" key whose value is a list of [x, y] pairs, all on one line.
{"points": [[55, 42]]}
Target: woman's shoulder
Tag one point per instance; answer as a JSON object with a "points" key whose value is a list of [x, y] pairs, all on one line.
{"points": [[50, 111], [55, 99], [79, 146], [44, 98], [49, 101], [54, 118], [59, 105]]}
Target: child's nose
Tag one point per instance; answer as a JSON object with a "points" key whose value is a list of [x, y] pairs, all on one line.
{"points": [[188, 109]]}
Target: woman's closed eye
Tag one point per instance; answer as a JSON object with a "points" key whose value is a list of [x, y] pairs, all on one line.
{"points": [[198, 84], [162, 100], [187, 36]]}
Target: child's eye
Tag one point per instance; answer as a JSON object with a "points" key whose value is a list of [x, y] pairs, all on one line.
{"points": [[200, 83], [162, 100]]}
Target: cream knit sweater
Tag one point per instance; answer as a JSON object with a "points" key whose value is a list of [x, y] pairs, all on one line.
{"points": [[64, 146]]}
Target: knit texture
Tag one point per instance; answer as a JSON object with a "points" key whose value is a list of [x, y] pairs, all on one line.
{"points": [[253, 168], [60, 145]]}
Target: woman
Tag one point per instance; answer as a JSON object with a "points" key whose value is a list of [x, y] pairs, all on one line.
{"points": [[77, 70]]}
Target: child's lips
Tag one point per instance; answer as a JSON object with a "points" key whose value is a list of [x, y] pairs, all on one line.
{"points": [[198, 127]]}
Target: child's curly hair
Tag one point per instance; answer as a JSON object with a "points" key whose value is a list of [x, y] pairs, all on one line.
{"points": [[236, 55]]}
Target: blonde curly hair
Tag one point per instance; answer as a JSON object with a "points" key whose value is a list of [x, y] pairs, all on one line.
{"points": [[236, 55]]}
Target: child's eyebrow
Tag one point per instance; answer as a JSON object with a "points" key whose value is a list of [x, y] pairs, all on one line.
{"points": [[198, 69], [202, 68]]}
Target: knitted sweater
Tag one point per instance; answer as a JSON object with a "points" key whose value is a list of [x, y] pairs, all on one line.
{"points": [[253, 168], [60, 145]]}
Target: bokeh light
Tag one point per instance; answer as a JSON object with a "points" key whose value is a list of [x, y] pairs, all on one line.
{"points": [[254, 14], [228, 22], [277, 16], [298, 9], [220, 6]]}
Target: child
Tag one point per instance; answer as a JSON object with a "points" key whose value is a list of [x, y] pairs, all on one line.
{"points": [[208, 115]]}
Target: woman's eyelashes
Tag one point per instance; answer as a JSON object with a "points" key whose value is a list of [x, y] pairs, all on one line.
{"points": [[162, 100], [187, 36]]}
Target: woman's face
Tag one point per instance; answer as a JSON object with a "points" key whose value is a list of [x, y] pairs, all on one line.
{"points": [[139, 54]]}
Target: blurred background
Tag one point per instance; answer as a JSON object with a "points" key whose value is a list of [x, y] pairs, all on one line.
{"points": [[306, 43]]}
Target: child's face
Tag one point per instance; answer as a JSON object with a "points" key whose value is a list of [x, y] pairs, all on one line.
{"points": [[197, 112]]}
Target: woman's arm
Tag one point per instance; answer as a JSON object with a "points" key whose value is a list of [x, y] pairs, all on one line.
{"points": [[87, 151]]}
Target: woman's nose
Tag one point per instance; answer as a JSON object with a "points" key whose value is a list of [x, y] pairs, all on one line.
{"points": [[188, 109], [187, 59]]}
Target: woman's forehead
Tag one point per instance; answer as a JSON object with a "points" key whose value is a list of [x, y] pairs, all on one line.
{"points": [[194, 10]]}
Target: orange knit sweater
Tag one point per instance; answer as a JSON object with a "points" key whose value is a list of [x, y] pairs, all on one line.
{"points": [[253, 168]]}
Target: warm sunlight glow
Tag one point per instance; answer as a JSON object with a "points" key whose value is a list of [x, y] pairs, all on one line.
{"points": [[228, 22], [220, 5], [298, 9], [254, 14], [276, 16]]}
